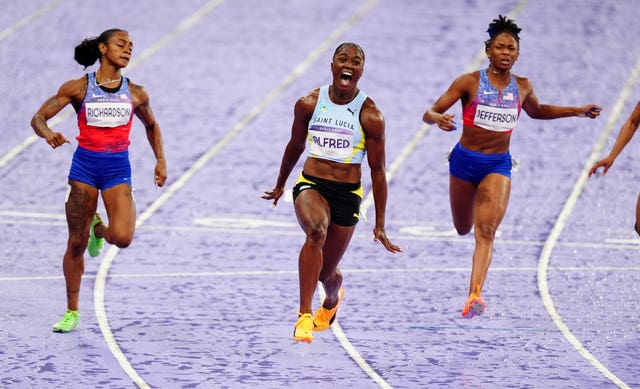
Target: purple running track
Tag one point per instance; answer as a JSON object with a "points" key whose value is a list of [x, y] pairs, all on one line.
{"points": [[206, 296]]}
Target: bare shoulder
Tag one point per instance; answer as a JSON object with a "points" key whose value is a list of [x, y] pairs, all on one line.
{"points": [[371, 117], [307, 103], [370, 108], [135, 88], [464, 85], [74, 89], [468, 79], [311, 98], [139, 94], [524, 84], [77, 82], [470, 76]]}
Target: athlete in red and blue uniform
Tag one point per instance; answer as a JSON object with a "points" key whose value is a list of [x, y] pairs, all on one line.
{"points": [[493, 110], [104, 119], [105, 102], [480, 164]]}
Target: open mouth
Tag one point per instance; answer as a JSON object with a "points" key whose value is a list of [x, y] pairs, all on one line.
{"points": [[345, 78]]}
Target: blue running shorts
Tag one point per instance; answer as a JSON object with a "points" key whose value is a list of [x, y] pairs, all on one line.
{"points": [[473, 166], [100, 170]]}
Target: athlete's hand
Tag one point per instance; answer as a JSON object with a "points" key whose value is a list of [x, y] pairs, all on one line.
{"points": [[55, 139], [605, 164], [379, 235], [160, 177], [590, 110], [273, 194], [447, 122]]}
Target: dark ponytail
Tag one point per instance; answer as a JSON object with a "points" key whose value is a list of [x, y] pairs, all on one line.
{"points": [[88, 52]]}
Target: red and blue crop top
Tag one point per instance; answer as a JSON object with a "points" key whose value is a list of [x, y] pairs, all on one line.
{"points": [[493, 109], [105, 117]]}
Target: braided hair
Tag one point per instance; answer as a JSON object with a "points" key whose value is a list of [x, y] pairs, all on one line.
{"points": [[500, 25]]}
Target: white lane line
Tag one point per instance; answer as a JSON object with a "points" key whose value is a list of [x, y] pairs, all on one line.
{"points": [[634, 241], [356, 356], [366, 203], [255, 225], [68, 111], [105, 265], [182, 27], [563, 217], [4, 34], [17, 150], [32, 215], [29, 18], [424, 128], [271, 273]]}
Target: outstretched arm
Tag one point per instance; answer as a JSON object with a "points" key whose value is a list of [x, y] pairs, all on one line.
{"points": [[302, 112], [373, 125], [154, 134], [457, 90], [535, 110], [626, 133]]}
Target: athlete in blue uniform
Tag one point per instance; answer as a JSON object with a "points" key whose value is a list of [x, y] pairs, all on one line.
{"points": [[105, 102], [337, 124], [480, 164]]}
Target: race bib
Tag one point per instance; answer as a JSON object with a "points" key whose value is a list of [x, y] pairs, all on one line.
{"points": [[496, 118], [108, 114], [330, 142]]}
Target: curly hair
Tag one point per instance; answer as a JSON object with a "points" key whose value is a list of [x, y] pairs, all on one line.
{"points": [[500, 25]]}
